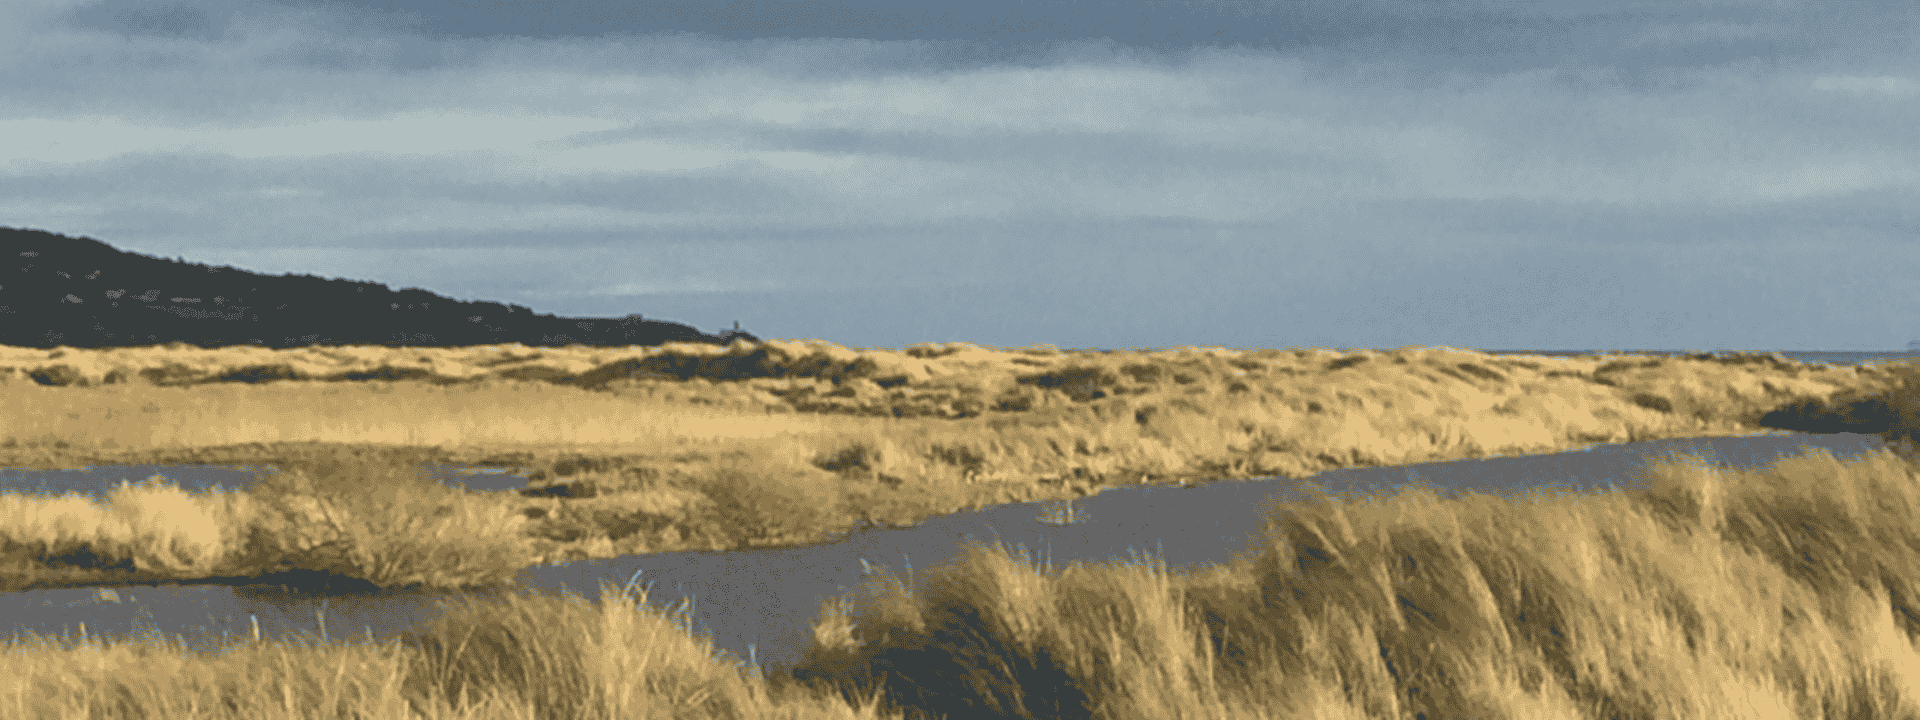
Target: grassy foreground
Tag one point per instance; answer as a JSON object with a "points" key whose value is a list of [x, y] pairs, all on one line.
{"points": [[1785, 592]]}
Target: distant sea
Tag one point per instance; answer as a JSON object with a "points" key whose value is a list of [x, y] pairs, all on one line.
{"points": [[1830, 357]]}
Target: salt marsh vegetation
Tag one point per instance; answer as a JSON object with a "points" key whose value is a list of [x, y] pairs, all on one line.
{"points": [[1702, 593], [1696, 593]]}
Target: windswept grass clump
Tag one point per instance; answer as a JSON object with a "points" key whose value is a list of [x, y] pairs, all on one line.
{"points": [[493, 655], [340, 514], [560, 657], [1786, 592], [150, 526], [384, 524]]}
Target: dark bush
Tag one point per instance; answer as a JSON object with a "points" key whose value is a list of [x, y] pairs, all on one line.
{"points": [[1080, 383], [1653, 402], [858, 457], [57, 375], [959, 668]]}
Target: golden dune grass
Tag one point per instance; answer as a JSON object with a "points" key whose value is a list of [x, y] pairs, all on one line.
{"points": [[710, 464], [1782, 592], [1774, 594]]}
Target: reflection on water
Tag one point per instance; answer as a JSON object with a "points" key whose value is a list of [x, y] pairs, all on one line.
{"points": [[1063, 512], [98, 481], [766, 598]]}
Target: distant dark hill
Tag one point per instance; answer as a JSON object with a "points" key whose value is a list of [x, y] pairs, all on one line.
{"points": [[80, 292]]}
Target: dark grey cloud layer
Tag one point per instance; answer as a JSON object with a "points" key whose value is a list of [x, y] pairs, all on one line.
{"points": [[1349, 174]]}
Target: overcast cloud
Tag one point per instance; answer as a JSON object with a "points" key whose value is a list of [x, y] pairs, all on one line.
{"points": [[1269, 173]]}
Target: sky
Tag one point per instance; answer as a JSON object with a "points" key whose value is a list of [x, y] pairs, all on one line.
{"points": [[1510, 174]]}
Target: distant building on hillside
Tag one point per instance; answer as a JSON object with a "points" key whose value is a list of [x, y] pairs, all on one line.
{"points": [[728, 336]]}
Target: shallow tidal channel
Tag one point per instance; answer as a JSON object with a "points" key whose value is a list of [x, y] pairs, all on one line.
{"points": [[760, 602]]}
